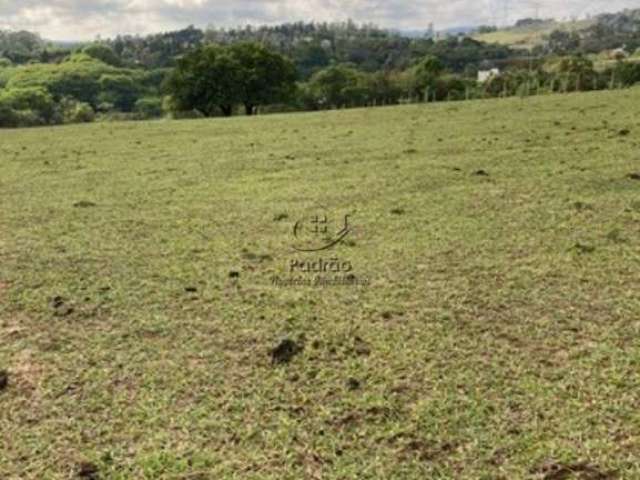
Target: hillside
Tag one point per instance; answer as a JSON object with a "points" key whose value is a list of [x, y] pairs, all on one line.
{"points": [[493, 332], [527, 37]]}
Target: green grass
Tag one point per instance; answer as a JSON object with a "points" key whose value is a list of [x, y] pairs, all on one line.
{"points": [[527, 37], [497, 338]]}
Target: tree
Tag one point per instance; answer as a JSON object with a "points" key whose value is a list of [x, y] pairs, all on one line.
{"points": [[627, 73], [424, 75], [482, 29], [214, 77], [577, 72], [311, 57], [562, 42], [149, 107], [102, 52], [120, 90], [384, 87], [336, 86], [25, 107], [205, 80], [265, 77]]}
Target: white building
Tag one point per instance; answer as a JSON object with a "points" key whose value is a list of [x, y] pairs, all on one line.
{"points": [[484, 75]]}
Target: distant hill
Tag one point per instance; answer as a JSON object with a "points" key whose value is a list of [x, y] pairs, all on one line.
{"points": [[465, 30], [603, 32], [527, 36]]}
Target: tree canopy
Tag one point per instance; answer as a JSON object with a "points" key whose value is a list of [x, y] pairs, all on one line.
{"points": [[214, 77]]}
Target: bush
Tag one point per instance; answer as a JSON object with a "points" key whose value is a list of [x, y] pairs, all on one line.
{"points": [[76, 112], [8, 116], [337, 86], [626, 73], [149, 107], [153, 79], [105, 107], [78, 77], [103, 53], [26, 107], [120, 90], [451, 87]]}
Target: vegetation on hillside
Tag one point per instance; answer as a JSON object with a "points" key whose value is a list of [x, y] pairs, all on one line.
{"points": [[300, 66], [543, 37]]}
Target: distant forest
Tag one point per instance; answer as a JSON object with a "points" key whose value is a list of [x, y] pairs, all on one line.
{"points": [[311, 46], [336, 65]]}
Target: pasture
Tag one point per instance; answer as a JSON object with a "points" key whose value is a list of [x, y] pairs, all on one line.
{"points": [[497, 336], [529, 36]]}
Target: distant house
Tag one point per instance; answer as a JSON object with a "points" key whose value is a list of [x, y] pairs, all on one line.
{"points": [[484, 75]]}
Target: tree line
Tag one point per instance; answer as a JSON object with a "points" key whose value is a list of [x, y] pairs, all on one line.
{"points": [[292, 67]]}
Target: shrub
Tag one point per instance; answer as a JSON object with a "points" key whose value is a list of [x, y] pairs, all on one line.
{"points": [[627, 73], [78, 77], [11, 118], [119, 89], [8, 116], [105, 107], [337, 86], [103, 53], [26, 107], [76, 112], [149, 107]]}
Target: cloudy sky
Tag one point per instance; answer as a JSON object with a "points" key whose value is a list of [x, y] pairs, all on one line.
{"points": [[85, 19]]}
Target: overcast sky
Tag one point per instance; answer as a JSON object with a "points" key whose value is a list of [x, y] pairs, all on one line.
{"points": [[85, 19]]}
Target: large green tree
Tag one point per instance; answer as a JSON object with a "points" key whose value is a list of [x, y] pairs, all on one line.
{"points": [[424, 75], [337, 86], [205, 80], [214, 77], [121, 90], [265, 77], [102, 52]]}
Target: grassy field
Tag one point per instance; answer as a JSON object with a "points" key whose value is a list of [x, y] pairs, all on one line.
{"points": [[529, 36], [497, 336]]}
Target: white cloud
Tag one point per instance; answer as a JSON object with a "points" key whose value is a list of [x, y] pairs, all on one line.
{"points": [[84, 19]]}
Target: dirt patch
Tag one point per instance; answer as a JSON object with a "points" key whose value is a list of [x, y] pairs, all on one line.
{"points": [[4, 288], [285, 351], [26, 373], [60, 307], [583, 248], [353, 384], [4, 380], [87, 471], [582, 471], [360, 347], [426, 451], [84, 204]]}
